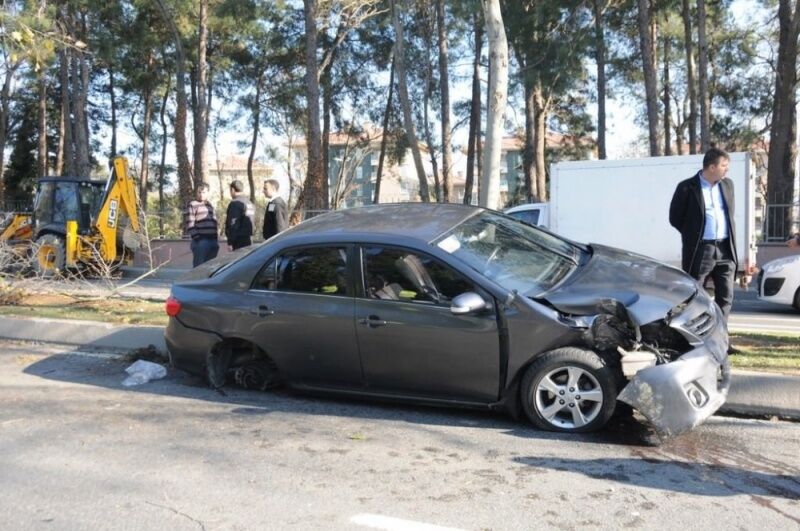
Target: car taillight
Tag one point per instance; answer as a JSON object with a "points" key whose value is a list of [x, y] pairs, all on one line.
{"points": [[173, 306]]}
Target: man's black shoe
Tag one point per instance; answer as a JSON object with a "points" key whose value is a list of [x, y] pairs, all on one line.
{"points": [[733, 350]]}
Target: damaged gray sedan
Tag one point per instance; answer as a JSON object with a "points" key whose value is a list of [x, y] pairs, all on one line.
{"points": [[458, 306]]}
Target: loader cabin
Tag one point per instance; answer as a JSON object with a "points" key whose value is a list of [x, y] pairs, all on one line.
{"points": [[62, 199]]}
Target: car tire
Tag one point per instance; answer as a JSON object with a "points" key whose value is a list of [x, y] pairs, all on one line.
{"points": [[797, 300], [49, 255], [569, 390]]}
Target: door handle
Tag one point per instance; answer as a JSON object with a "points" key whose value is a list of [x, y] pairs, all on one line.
{"points": [[262, 311], [373, 321]]}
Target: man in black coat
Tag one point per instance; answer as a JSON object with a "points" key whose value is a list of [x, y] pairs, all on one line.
{"points": [[702, 211], [276, 217], [239, 218]]}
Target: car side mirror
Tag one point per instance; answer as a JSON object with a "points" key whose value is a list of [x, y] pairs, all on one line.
{"points": [[469, 302]]}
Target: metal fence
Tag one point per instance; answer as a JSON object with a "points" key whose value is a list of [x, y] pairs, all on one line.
{"points": [[16, 206], [168, 223], [780, 222]]}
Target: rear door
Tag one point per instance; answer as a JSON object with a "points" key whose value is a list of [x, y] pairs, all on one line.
{"points": [[410, 342], [301, 306]]}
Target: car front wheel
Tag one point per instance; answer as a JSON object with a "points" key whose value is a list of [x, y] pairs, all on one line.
{"points": [[569, 390]]}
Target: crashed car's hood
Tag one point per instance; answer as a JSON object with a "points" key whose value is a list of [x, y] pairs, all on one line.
{"points": [[648, 289]]}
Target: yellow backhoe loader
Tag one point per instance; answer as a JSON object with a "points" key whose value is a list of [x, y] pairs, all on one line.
{"points": [[79, 224]]}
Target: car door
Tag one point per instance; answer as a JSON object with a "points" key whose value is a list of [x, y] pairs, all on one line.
{"points": [[410, 342], [302, 306]]}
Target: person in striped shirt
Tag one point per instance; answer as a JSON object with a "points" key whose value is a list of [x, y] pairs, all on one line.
{"points": [[200, 225]]}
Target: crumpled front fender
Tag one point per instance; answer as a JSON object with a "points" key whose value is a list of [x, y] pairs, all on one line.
{"points": [[677, 396]]}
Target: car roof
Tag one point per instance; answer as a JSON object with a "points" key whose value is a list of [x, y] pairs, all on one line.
{"points": [[424, 221]]}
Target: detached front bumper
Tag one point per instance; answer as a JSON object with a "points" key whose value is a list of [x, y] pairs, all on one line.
{"points": [[676, 397]]}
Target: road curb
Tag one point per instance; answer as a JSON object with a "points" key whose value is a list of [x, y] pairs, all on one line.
{"points": [[82, 333], [763, 394]]}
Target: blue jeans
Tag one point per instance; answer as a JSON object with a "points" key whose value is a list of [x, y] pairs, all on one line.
{"points": [[203, 250]]}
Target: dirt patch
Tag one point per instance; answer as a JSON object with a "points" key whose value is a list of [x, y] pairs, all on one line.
{"points": [[63, 306]]}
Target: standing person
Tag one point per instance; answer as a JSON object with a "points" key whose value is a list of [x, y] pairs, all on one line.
{"points": [[239, 218], [276, 217], [702, 211], [200, 225]]}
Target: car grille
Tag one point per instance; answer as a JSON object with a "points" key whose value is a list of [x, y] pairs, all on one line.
{"points": [[772, 286], [701, 325]]}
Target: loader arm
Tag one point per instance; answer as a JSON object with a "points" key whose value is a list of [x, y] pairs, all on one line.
{"points": [[18, 228], [119, 198]]}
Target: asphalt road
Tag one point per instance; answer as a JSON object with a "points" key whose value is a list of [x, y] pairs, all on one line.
{"points": [[80, 451], [750, 314]]}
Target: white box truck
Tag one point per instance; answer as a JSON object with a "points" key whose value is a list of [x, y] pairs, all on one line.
{"points": [[625, 204]]}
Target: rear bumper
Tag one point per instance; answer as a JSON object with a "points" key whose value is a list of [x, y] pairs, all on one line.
{"points": [[188, 348]]}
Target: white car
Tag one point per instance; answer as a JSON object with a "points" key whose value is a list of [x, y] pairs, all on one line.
{"points": [[779, 281], [536, 214]]}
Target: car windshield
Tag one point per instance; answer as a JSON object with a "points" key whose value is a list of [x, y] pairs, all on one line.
{"points": [[513, 254]]}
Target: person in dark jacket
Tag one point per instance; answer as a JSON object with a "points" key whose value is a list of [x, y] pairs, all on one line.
{"points": [[276, 217], [239, 218], [702, 209], [200, 225]]}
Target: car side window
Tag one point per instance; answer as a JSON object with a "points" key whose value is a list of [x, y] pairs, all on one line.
{"points": [[319, 270], [397, 274]]}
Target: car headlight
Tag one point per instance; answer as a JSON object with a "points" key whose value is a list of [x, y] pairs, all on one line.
{"points": [[777, 265]]}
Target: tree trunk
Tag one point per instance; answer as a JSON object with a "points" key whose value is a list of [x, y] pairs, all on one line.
{"points": [[201, 124], [66, 165], [185, 185], [313, 196], [79, 117], [540, 109], [60, 148], [473, 136], [41, 158], [384, 136], [5, 108], [690, 78], [648, 68], [209, 93], [145, 171], [80, 94], [705, 102], [327, 109], [254, 140], [402, 90], [437, 188], [426, 130], [783, 130], [666, 100], [599, 9], [528, 159], [444, 83], [498, 94], [162, 164], [113, 111]]}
